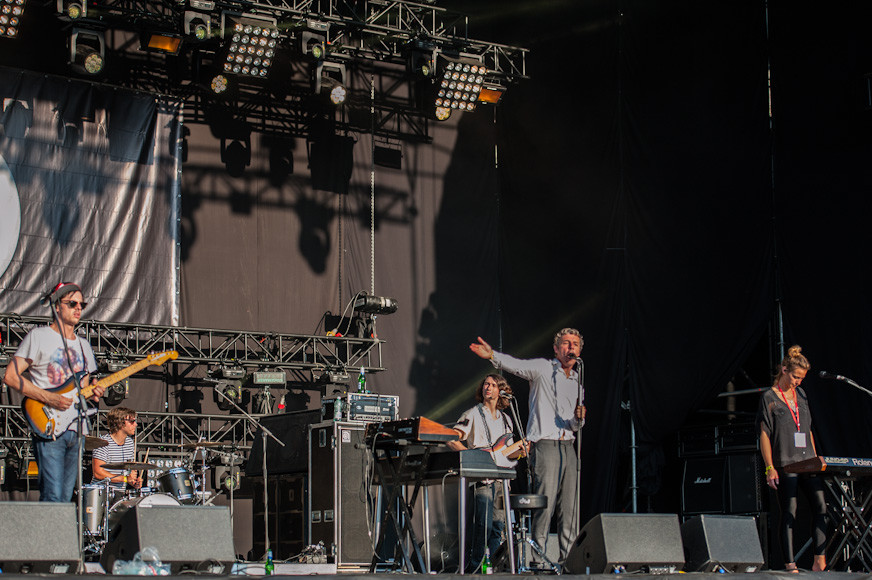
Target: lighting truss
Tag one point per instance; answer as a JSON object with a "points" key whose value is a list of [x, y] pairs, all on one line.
{"points": [[301, 355]]}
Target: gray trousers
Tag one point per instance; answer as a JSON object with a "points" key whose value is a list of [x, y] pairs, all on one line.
{"points": [[555, 473]]}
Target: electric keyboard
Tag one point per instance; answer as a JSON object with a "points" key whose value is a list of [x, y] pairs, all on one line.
{"points": [[847, 465]]}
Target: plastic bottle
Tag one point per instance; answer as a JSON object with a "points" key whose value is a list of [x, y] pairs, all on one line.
{"points": [[338, 405], [361, 381], [269, 568], [486, 567]]}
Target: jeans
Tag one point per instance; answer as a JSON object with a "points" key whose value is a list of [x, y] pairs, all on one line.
{"points": [[487, 524], [58, 463]]}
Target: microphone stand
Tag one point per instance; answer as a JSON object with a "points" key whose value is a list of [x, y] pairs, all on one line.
{"points": [[513, 405], [264, 432], [845, 380], [577, 498], [80, 423]]}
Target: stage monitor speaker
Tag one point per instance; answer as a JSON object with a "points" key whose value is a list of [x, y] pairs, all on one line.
{"points": [[627, 543], [721, 544], [193, 538], [38, 537]]}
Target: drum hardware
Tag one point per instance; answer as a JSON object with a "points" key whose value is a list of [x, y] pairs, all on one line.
{"points": [[130, 466], [92, 443], [202, 444]]}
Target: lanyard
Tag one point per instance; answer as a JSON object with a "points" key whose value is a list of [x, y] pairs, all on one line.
{"points": [[794, 415]]}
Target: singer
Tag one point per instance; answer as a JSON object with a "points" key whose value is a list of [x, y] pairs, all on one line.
{"points": [[555, 414], [50, 355], [784, 422], [486, 426]]}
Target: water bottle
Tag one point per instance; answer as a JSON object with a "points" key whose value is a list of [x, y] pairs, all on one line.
{"points": [[361, 381], [337, 408], [486, 567], [269, 567]]}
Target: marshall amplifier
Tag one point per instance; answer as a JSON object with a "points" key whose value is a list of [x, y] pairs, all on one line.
{"points": [[725, 484]]}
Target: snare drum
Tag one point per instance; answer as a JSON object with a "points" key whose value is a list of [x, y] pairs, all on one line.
{"points": [[94, 505], [177, 482], [122, 507]]}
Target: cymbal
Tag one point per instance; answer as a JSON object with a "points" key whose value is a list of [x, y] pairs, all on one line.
{"points": [[199, 444], [92, 443], [130, 465]]}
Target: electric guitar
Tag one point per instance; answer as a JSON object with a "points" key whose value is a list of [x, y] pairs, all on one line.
{"points": [[48, 422], [503, 447]]}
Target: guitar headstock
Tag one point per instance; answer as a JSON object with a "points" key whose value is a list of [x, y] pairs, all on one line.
{"points": [[159, 358]]}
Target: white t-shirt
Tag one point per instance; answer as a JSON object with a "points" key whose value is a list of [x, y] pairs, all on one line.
{"points": [[472, 425], [49, 367]]}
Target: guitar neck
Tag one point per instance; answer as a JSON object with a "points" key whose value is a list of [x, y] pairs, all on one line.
{"points": [[110, 380]]}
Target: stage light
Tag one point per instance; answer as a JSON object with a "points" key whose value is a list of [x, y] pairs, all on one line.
{"points": [[442, 113], [375, 304], [115, 394], [197, 25], [231, 390], [219, 84], [160, 42], [251, 44], [87, 51], [459, 83], [491, 94], [330, 81], [72, 9], [313, 40], [10, 17], [421, 55]]}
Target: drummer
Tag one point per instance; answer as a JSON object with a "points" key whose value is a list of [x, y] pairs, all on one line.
{"points": [[121, 448]]}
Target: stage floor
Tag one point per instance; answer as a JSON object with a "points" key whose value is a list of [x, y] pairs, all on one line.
{"points": [[329, 570]]}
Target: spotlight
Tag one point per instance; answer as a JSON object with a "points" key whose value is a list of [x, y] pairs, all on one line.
{"points": [[160, 42], [87, 50], [330, 81], [313, 40], [375, 304], [233, 373], [251, 43], [10, 17], [491, 94], [422, 53], [219, 84], [72, 9], [197, 25], [115, 394], [442, 113], [231, 390]]}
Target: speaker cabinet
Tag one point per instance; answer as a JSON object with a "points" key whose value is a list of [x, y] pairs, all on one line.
{"points": [[195, 538], [38, 537], [287, 519], [337, 492], [724, 484], [627, 542], [721, 544], [290, 428]]}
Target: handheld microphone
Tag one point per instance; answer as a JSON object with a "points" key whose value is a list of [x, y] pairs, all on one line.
{"points": [[505, 395]]}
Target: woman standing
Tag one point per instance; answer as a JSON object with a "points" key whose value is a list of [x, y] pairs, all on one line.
{"points": [[784, 421]]}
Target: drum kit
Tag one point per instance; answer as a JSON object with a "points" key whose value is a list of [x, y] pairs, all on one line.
{"points": [[104, 505]]}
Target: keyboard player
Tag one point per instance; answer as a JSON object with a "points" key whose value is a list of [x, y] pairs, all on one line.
{"points": [[487, 426]]}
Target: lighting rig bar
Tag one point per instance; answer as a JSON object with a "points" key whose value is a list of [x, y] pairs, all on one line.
{"points": [[306, 357]]}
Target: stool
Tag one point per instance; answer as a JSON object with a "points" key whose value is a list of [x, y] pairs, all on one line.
{"points": [[524, 504]]}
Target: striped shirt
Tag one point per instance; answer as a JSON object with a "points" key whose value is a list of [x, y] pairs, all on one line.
{"points": [[115, 453]]}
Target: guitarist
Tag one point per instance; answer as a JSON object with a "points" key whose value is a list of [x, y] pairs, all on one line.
{"points": [[481, 427], [47, 354]]}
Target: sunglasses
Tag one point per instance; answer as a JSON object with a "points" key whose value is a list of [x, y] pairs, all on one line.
{"points": [[73, 304], [131, 420]]}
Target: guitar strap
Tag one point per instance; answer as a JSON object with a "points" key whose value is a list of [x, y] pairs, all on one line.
{"points": [[490, 440]]}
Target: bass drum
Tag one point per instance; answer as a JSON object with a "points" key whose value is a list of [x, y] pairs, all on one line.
{"points": [[122, 507]]}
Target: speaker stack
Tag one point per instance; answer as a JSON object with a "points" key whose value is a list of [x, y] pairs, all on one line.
{"points": [[38, 537]]}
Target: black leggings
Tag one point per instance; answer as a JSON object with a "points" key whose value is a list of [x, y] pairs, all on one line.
{"points": [[813, 488]]}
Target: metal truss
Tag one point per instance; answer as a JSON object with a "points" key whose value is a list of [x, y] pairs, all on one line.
{"points": [[305, 357], [161, 433], [375, 37]]}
